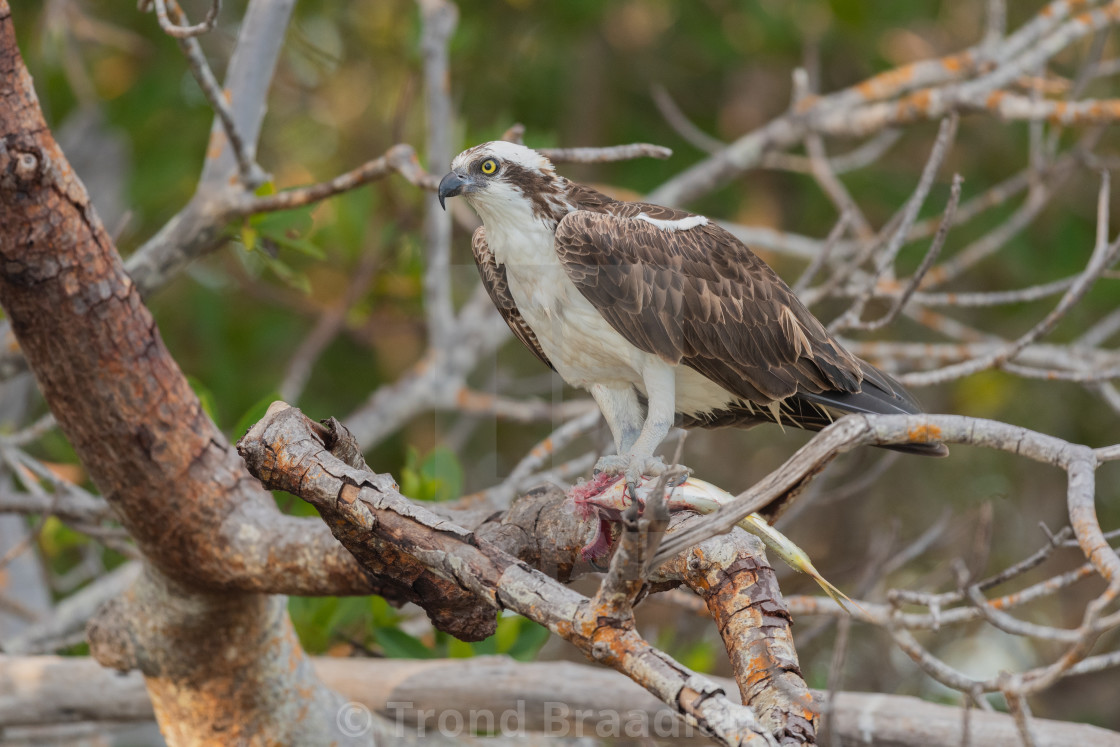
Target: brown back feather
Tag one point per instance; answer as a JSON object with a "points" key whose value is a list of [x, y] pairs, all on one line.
{"points": [[702, 298]]}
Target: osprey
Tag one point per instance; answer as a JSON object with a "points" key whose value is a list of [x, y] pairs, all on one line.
{"points": [[662, 315]]}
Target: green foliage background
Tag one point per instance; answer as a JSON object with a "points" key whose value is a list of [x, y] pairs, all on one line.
{"points": [[576, 72]]}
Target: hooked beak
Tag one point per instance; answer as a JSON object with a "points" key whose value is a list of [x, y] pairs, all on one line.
{"points": [[453, 184]]}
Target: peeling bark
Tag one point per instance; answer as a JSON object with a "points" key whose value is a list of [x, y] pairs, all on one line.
{"points": [[174, 481], [289, 452], [741, 591], [220, 667]]}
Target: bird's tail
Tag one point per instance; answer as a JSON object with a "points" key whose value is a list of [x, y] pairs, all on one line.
{"points": [[880, 394]]}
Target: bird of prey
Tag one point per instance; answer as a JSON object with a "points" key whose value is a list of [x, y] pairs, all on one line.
{"points": [[662, 315]]}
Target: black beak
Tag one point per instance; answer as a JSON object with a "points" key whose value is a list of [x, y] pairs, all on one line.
{"points": [[451, 185]]}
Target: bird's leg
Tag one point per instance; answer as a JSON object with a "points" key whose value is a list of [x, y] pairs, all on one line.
{"points": [[638, 460], [622, 411]]}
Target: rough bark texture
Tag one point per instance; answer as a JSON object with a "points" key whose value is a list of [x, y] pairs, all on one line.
{"points": [[220, 667], [289, 452], [731, 575], [98, 358]]}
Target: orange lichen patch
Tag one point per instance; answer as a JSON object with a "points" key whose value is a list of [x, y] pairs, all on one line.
{"points": [[565, 630], [954, 63], [1049, 9], [884, 84], [807, 103], [1044, 85], [910, 107], [544, 448], [1099, 111], [217, 142], [994, 99], [933, 277], [613, 645], [761, 667], [71, 473], [929, 318], [886, 285], [924, 434]]}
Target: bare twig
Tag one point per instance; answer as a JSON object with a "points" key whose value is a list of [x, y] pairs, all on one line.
{"points": [[183, 32], [606, 155], [439, 21], [930, 89], [835, 189], [885, 261], [927, 262], [400, 159], [525, 470], [823, 255], [1103, 255], [681, 123], [251, 174]]}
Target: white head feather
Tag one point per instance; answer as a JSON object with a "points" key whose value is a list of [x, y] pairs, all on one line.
{"points": [[508, 198], [503, 150]]}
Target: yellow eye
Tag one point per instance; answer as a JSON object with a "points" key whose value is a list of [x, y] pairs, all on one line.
{"points": [[489, 166]]}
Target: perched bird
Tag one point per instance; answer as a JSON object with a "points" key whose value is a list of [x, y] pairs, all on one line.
{"points": [[662, 315]]}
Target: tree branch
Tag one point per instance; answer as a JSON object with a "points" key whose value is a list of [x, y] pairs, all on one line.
{"points": [[282, 451]]}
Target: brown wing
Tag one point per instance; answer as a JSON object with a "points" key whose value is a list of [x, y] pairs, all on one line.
{"points": [[494, 280], [702, 298]]}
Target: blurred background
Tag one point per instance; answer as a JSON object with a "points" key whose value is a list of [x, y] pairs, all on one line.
{"points": [[582, 72]]}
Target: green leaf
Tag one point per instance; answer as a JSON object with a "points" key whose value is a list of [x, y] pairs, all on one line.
{"points": [[700, 657], [398, 644], [442, 470], [291, 222], [310, 616], [411, 483], [384, 615], [457, 649], [530, 637], [509, 627], [249, 236], [301, 245], [439, 477], [55, 537], [350, 614], [286, 273]]}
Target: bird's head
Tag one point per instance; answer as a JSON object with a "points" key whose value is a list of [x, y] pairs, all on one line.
{"points": [[500, 175]]}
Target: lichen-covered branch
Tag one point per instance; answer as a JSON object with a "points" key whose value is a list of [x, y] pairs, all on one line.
{"points": [[284, 453]]}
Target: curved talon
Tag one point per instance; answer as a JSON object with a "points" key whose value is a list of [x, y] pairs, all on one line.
{"points": [[612, 464], [634, 468]]}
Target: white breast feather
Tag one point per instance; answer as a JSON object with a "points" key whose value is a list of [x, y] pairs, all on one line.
{"points": [[583, 347]]}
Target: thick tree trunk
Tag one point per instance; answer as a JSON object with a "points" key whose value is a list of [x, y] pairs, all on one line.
{"points": [[222, 667]]}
